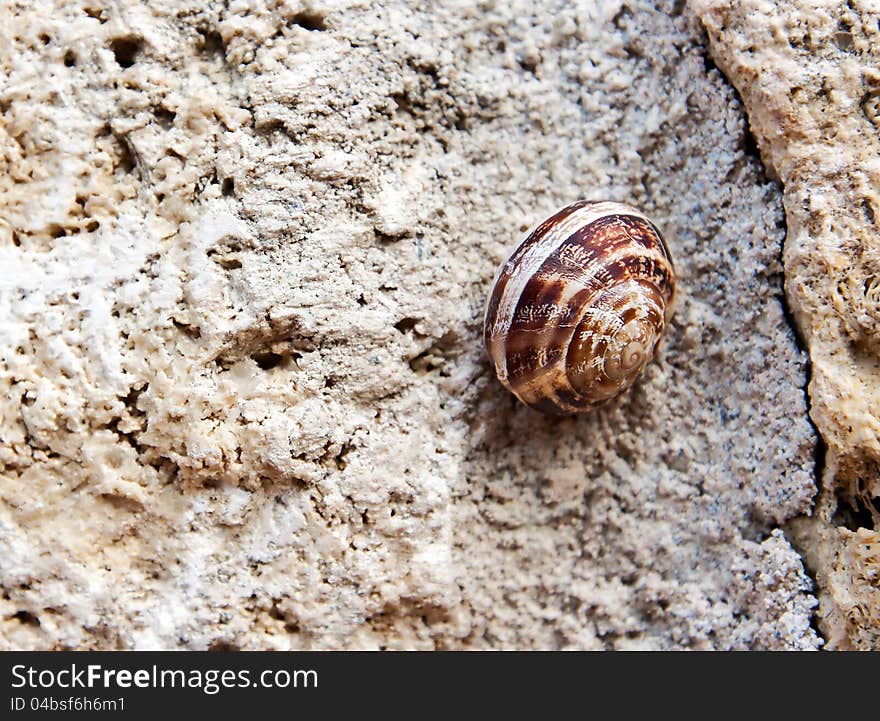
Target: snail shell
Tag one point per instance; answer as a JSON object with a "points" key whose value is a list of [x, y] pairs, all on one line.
{"points": [[578, 309]]}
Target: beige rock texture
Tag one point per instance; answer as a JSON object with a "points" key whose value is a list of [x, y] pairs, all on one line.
{"points": [[809, 74], [244, 252]]}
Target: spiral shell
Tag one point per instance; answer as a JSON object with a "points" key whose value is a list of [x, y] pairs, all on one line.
{"points": [[578, 309]]}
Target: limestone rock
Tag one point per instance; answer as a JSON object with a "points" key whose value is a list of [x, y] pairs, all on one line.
{"points": [[808, 76], [244, 251]]}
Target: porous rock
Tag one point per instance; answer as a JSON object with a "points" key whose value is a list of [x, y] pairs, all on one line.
{"points": [[809, 79], [244, 251]]}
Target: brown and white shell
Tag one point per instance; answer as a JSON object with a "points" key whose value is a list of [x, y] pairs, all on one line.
{"points": [[578, 309]]}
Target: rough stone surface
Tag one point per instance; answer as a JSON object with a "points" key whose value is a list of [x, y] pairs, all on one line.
{"points": [[244, 250], [808, 74]]}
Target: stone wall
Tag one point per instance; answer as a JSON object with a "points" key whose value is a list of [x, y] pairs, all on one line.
{"points": [[244, 252], [808, 74]]}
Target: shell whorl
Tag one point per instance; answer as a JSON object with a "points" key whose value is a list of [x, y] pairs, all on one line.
{"points": [[578, 308]]}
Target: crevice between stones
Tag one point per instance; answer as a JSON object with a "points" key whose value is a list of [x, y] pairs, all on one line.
{"points": [[797, 540]]}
